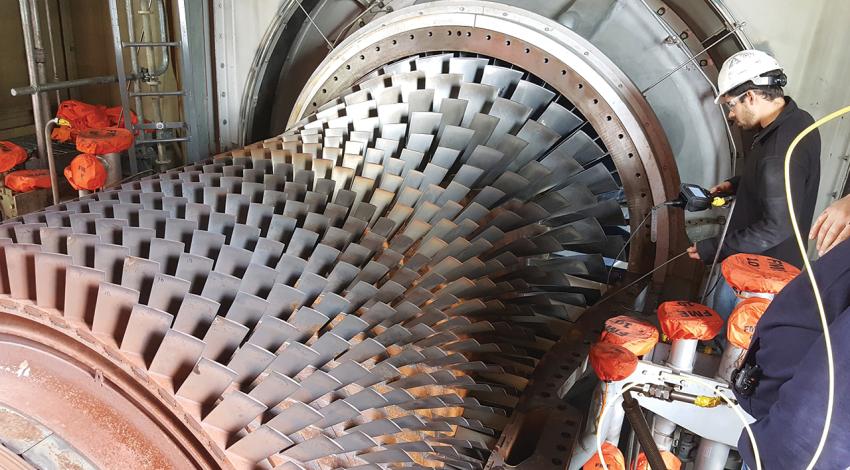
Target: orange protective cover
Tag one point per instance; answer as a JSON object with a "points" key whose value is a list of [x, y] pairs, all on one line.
{"points": [[612, 455], [671, 461], [688, 320], [611, 362], [637, 336], [63, 134], [11, 155], [83, 115], [116, 117], [86, 171], [102, 141], [27, 180], [742, 322], [79, 116], [757, 273]]}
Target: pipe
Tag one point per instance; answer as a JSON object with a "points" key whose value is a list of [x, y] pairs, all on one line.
{"points": [[604, 393], [33, 89], [163, 42], [162, 160], [32, 71], [163, 35], [134, 57], [156, 93], [164, 141], [683, 353], [40, 56], [728, 362], [662, 432], [52, 50], [112, 164], [681, 359], [615, 425], [632, 448], [644, 436], [149, 44], [51, 163], [711, 455]]}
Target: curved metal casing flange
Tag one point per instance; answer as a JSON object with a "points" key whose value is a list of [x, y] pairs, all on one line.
{"points": [[568, 63]]}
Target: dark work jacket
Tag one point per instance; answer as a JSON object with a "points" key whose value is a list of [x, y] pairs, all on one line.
{"points": [[789, 402], [760, 223]]}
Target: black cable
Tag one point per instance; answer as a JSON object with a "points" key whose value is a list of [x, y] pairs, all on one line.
{"points": [[631, 407], [716, 283], [719, 247], [607, 297], [629, 240]]}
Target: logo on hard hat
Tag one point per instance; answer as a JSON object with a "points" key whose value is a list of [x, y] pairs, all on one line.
{"points": [[745, 66]]}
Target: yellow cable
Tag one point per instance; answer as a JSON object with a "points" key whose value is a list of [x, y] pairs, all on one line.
{"points": [[801, 244]]}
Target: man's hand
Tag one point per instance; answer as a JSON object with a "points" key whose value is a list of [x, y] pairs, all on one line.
{"points": [[722, 188], [693, 253], [833, 225]]}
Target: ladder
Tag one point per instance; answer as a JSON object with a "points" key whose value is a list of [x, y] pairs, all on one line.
{"points": [[193, 130]]}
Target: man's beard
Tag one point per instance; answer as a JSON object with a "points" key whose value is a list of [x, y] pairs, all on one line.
{"points": [[745, 126], [750, 124]]}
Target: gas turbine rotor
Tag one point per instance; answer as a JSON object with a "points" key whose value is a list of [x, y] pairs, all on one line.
{"points": [[371, 289]]}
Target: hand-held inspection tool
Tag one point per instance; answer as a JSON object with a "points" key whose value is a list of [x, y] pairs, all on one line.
{"points": [[695, 198], [692, 198]]}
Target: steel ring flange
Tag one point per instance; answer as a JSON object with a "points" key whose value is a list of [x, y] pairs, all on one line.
{"points": [[92, 377], [568, 63]]}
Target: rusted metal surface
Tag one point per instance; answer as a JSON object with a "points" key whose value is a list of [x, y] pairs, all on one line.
{"points": [[33, 443], [79, 394], [17, 432], [53, 452]]}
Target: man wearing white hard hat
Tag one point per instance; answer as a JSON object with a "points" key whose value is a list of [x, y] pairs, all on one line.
{"points": [[750, 88]]}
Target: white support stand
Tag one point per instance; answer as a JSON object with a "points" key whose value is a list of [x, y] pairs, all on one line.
{"points": [[682, 356], [610, 429], [112, 163], [711, 455], [731, 355]]}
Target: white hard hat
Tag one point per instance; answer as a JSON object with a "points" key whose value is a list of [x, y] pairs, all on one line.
{"points": [[744, 66]]}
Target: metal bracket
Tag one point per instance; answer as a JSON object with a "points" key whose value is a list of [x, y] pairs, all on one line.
{"points": [[719, 424]]}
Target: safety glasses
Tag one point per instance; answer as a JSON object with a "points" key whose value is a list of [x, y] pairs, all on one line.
{"points": [[729, 105]]}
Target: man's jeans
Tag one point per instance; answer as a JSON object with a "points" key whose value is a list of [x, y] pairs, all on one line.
{"points": [[723, 302]]}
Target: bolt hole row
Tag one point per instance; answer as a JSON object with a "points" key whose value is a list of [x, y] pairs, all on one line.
{"points": [[488, 37]]}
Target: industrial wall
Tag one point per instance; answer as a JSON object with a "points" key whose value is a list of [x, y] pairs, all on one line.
{"points": [[82, 38], [810, 46], [15, 112]]}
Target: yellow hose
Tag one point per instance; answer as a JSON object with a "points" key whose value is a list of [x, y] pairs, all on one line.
{"points": [[802, 246]]}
